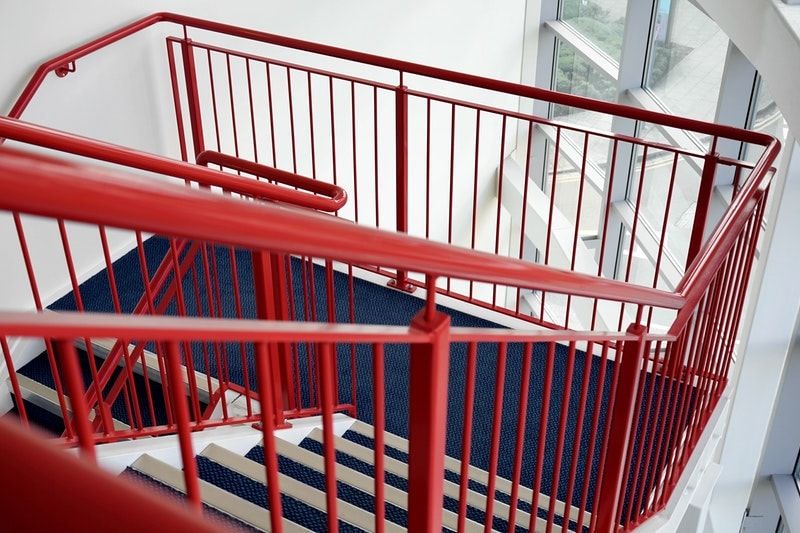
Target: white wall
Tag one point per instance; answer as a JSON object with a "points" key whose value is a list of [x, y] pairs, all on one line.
{"points": [[121, 94]]}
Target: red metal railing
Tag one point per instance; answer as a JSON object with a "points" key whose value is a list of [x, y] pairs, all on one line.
{"points": [[385, 132]]}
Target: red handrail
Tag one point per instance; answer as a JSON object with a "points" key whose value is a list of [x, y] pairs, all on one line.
{"points": [[164, 328], [335, 194], [691, 286], [40, 468], [61, 189], [516, 89], [712, 255], [36, 135]]}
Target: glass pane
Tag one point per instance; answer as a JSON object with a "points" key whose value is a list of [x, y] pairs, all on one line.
{"points": [[655, 194], [768, 119], [687, 59], [575, 75], [569, 194], [635, 265], [600, 21]]}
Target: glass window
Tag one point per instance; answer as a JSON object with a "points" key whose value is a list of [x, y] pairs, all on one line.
{"points": [[576, 75], [655, 193], [569, 194], [602, 22], [687, 59], [636, 266], [766, 118]]}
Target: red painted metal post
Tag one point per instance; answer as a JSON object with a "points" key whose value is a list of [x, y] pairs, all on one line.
{"points": [[326, 353], [268, 430], [703, 206], [427, 422], [75, 390], [193, 100], [621, 425], [174, 373], [263, 288], [281, 295], [401, 177]]}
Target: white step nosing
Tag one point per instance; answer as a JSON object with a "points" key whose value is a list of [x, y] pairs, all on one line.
{"points": [[363, 482], [476, 474], [289, 486], [102, 347], [399, 468], [211, 495], [43, 396]]}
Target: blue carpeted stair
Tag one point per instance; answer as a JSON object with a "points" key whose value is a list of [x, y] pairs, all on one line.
{"points": [[39, 370], [180, 498], [252, 491]]}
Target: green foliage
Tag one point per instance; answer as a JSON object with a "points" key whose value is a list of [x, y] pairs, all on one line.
{"points": [[664, 56], [594, 21], [576, 75]]}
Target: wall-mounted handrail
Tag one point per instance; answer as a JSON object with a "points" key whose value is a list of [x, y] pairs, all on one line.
{"points": [[335, 195], [407, 67], [55, 188], [18, 130]]}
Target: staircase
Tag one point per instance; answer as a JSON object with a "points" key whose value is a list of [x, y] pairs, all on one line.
{"points": [[233, 485], [238, 309]]}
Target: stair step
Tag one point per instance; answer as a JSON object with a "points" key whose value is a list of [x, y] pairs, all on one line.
{"points": [[348, 513], [363, 483], [179, 498], [46, 398], [225, 502], [476, 475], [397, 475], [102, 347], [41, 418]]}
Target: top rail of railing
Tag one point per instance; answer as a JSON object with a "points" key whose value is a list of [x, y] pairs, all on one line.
{"points": [[60, 64], [305, 196], [40, 185]]}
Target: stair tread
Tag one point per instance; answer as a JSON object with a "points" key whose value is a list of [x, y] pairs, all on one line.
{"points": [[47, 398], [475, 501], [362, 482], [312, 497], [475, 474], [180, 498], [213, 496], [102, 347]]}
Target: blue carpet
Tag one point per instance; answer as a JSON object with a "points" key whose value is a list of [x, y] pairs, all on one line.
{"points": [[345, 492], [376, 304], [39, 417], [180, 498], [39, 370]]}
